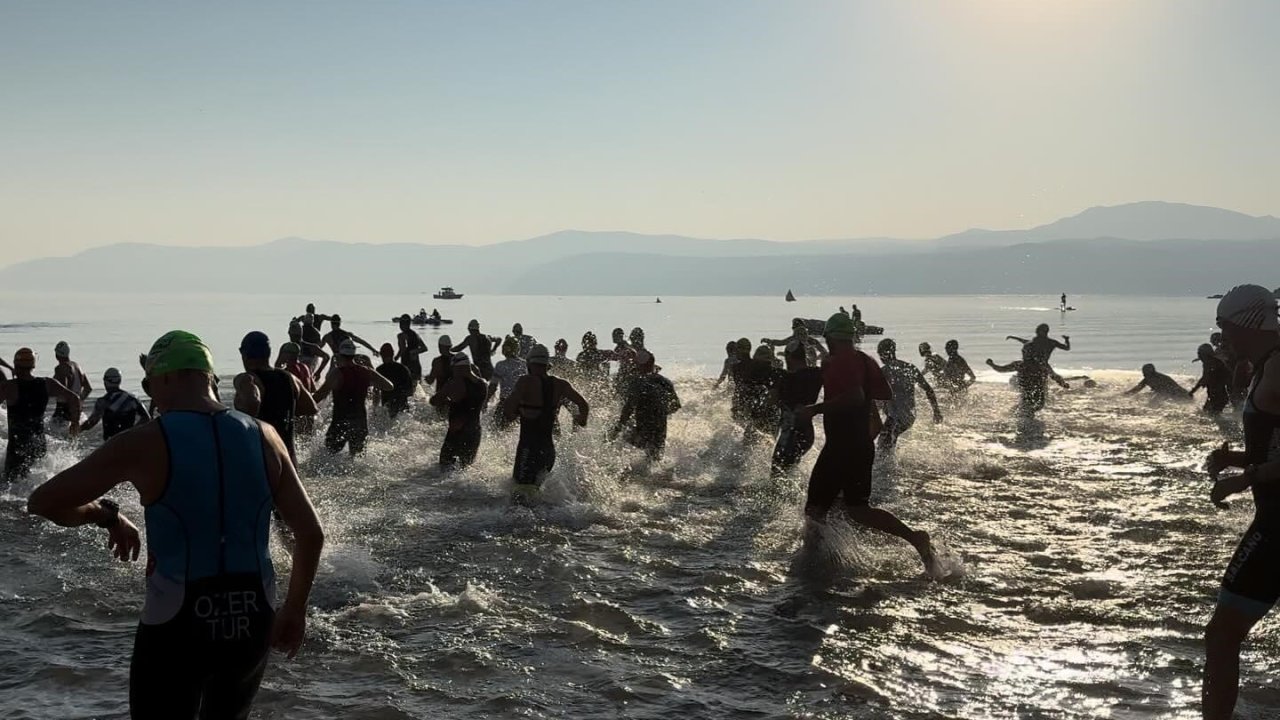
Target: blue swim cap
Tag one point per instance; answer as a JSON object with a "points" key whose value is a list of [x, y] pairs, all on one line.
{"points": [[255, 346]]}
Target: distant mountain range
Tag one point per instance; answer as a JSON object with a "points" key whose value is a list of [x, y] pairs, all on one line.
{"points": [[1139, 248]]}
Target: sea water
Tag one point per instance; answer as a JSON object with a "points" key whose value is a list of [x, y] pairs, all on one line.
{"points": [[1083, 553]]}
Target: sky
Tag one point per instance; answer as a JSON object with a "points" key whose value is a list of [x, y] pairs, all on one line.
{"points": [[236, 123]]}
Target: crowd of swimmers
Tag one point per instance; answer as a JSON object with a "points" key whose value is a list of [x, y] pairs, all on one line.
{"points": [[210, 478]]}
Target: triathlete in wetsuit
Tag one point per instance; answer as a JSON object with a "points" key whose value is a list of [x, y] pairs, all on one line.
{"points": [[851, 383], [650, 400], [464, 395], [208, 478], [118, 410], [411, 348], [506, 373], [625, 356], [1214, 378], [336, 336], [903, 377], [481, 347], [396, 401], [441, 371], [536, 401], [524, 342], [276, 397], [349, 383], [754, 382], [1251, 584], [593, 366], [1162, 385], [26, 399], [798, 388], [956, 374], [934, 366], [68, 373]]}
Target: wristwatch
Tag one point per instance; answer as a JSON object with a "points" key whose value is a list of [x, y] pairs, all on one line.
{"points": [[113, 514]]}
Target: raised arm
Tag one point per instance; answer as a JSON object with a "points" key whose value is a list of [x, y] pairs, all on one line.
{"points": [[1011, 367], [1015, 337]]}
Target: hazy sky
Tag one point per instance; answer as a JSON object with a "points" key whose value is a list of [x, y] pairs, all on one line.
{"points": [[242, 122]]}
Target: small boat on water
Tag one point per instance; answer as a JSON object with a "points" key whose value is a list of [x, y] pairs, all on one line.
{"points": [[1215, 297], [790, 297], [817, 326], [447, 293], [424, 319]]}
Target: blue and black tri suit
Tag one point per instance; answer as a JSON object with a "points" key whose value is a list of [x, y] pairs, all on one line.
{"points": [[1252, 580], [202, 645]]}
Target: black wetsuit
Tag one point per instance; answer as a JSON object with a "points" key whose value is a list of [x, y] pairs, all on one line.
{"points": [[441, 371], [411, 354], [481, 348], [536, 451], [119, 411], [592, 366], [1215, 378], [795, 390], [1252, 579], [462, 441], [397, 401], [350, 424], [650, 400], [279, 400], [756, 379], [26, 428]]}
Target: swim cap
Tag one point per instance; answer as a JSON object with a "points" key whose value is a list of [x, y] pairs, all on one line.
{"points": [[255, 346], [953, 345], [460, 359], [1148, 368], [445, 342], [386, 349], [562, 344], [24, 358], [335, 319], [744, 345], [405, 318], [1249, 306], [539, 356], [764, 352], [311, 308], [517, 329], [290, 348], [840, 327], [178, 350], [637, 333], [62, 350], [925, 347], [347, 348], [111, 377], [1204, 349], [797, 323], [473, 325], [887, 346]]}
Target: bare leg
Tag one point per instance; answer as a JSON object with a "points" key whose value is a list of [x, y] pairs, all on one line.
{"points": [[887, 522], [1223, 636]]}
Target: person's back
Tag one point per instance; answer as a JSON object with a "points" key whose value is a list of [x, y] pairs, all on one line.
{"points": [[1216, 380], [1165, 386], [350, 397], [506, 372], [211, 583], [27, 413], [279, 400], [934, 365], [655, 401], [397, 400], [902, 379], [120, 411]]}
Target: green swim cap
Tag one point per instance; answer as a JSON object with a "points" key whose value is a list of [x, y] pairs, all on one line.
{"points": [[840, 327], [291, 348], [178, 350]]}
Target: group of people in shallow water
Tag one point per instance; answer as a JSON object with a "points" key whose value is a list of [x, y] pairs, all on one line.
{"points": [[210, 478]]}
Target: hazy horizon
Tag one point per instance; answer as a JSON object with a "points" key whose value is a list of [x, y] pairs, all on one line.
{"points": [[473, 124]]}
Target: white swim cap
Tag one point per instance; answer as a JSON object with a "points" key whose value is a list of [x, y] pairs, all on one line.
{"points": [[1249, 306]]}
